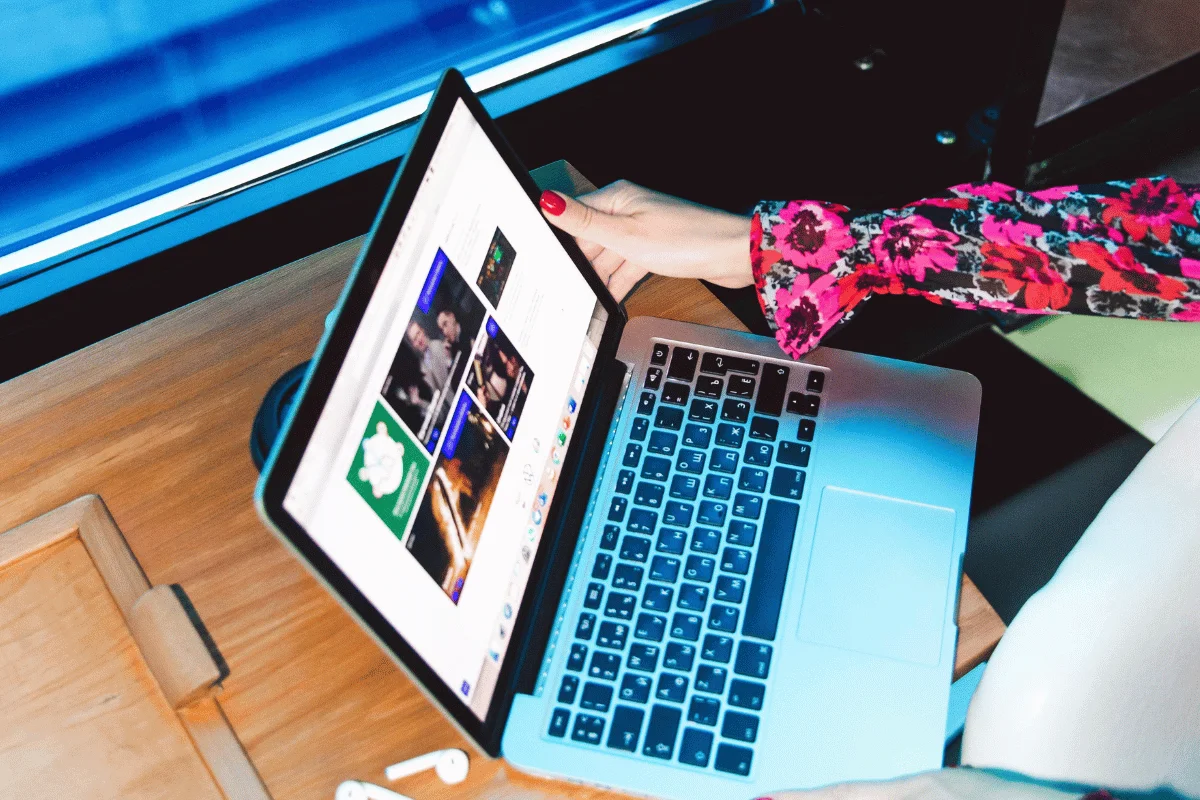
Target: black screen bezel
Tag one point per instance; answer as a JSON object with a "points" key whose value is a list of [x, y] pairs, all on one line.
{"points": [[281, 467]]}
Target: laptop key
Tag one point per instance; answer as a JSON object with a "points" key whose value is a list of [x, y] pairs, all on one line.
{"points": [[735, 410], [626, 577], [664, 569], [712, 512], [642, 521], [657, 597], [620, 605], [752, 479], [577, 657], [737, 561], [729, 589], [746, 694], [733, 759], [699, 568], [806, 405], [704, 710], [633, 454], [566, 691], [671, 687], [806, 430], [747, 506], [759, 453], [787, 483], [690, 461], [662, 443], [625, 481], [669, 418], [697, 435], [609, 538], [638, 431], [724, 461], [605, 665], [729, 435], [703, 411], [675, 393], [612, 634], [753, 660], [661, 732], [718, 486], [717, 648], [658, 355], [772, 389], [710, 679], [770, 569], [656, 469], [685, 487], [593, 595], [635, 548], [677, 513], [649, 494], [650, 627], [714, 363], [596, 697], [626, 728], [708, 386], [653, 378], [686, 626], [764, 428], [616, 509], [741, 533], [706, 540], [588, 729], [558, 722], [743, 727], [642, 657], [646, 403], [816, 381], [692, 597], [740, 386], [671, 541], [601, 567], [695, 747], [636, 688], [723, 618], [679, 656], [683, 364], [794, 454]]}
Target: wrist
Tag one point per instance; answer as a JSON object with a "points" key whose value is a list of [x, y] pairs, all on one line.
{"points": [[732, 268]]}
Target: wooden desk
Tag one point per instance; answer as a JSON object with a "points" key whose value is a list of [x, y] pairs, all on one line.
{"points": [[156, 420]]}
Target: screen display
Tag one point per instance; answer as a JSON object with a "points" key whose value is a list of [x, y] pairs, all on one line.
{"points": [[432, 465]]}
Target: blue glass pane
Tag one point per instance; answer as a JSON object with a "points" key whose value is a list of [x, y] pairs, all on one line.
{"points": [[104, 103]]}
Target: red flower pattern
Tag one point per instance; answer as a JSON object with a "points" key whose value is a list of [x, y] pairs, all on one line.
{"points": [[1149, 207]]}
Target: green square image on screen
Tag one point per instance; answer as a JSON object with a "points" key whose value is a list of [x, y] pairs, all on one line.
{"points": [[388, 470]]}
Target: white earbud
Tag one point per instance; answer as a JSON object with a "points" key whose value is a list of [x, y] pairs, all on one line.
{"points": [[357, 790], [450, 765]]}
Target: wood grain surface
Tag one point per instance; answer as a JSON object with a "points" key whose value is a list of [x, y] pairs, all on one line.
{"points": [[156, 420]]}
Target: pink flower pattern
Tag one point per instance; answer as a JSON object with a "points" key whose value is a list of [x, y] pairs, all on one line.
{"points": [[1116, 249]]}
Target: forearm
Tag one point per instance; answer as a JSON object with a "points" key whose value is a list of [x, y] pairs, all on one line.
{"points": [[1120, 249]]}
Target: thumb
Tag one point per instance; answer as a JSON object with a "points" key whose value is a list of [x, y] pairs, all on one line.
{"points": [[584, 221]]}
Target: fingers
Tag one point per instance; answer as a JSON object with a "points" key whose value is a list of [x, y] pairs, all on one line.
{"points": [[624, 279], [583, 221], [606, 263]]}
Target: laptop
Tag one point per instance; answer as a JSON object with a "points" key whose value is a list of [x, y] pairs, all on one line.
{"points": [[640, 554]]}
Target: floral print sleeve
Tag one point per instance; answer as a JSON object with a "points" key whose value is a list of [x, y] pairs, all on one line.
{"points": [[1123, 248]]}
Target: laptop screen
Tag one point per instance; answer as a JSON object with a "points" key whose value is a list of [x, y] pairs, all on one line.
{"points": [[435, 458]]}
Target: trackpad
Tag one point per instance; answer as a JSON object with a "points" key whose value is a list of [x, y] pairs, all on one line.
{"points": [[878, 576]]}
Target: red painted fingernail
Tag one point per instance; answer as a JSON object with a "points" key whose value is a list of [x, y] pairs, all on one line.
{"points": [[553, 203]]}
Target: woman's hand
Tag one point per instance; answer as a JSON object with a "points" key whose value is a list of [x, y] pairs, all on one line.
{"points": [[942, 784], [627, 231]]}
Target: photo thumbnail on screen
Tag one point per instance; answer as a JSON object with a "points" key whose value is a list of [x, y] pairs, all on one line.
{"points": [[438, 341], [497, 265], [453, 511], [388, 470], [500, 378]]}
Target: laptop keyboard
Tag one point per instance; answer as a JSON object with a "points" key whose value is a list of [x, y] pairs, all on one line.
{"points": [[669, 656]]}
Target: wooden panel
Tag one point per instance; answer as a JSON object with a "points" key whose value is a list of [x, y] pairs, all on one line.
{"points": [[157, 420]]}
